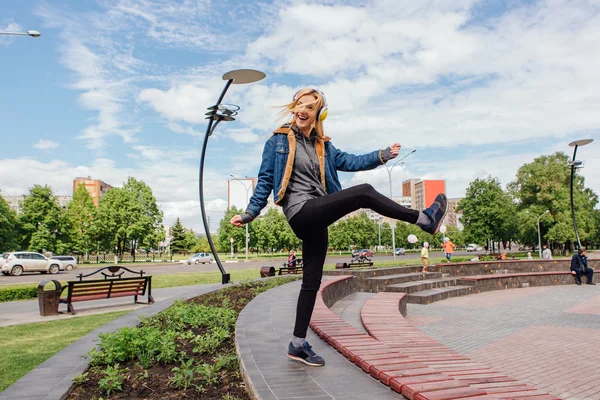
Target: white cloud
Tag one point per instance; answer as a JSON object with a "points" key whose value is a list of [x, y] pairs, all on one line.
{"points": [[6, 40], [44, 144], [421, 73]]}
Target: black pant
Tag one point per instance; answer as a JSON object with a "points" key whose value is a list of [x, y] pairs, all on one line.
{"points": [[588, 272], [310, 224]]}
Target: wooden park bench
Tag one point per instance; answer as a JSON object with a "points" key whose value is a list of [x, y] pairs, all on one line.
{"points": [[112, 285], [286, 268], [360, 261]]}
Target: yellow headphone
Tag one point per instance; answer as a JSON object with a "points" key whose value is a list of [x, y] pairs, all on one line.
{"points": [[322, 114]]}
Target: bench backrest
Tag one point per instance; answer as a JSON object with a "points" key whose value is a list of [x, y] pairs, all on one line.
{"points": [[108, 286]]}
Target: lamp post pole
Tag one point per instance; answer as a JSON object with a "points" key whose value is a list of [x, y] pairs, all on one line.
{"points": [[574, 165], [247, 190], [216, 114], [389, 171], [539, 235], [31, 33]]}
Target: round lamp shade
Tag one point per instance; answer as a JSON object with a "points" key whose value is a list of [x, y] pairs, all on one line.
{"points": [[241, 76], [581, 142], [412, 238]]}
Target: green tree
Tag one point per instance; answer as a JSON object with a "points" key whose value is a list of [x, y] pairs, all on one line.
{"points": [[10, 235], [456, 236], [488, 212], [339, 239], [544, 184], [178, 244], [126, 216], [363, 232], [44, 224], [191, 239], [228, 231], [80, 217]]}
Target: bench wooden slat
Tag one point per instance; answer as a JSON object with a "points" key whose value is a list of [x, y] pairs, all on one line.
{"points": [[100, 296], [109, 287], [105, 287]]}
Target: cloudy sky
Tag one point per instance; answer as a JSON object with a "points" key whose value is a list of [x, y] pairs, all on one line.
{"points": [[118, 88]]}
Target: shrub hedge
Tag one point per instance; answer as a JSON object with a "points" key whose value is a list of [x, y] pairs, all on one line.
{"points": [[18, 293]]}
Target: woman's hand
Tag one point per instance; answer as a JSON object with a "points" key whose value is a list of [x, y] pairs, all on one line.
{"points": [[395, 149], [236, 221]]}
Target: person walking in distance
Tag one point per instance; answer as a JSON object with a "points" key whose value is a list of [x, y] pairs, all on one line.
{"points": [[299, 165], [547, 253], [448, 248]]}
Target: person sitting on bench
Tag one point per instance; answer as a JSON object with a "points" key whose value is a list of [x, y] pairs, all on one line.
{"points": [[292, 260], [579, 265]]}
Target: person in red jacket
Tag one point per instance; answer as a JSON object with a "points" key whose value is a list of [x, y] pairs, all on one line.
{"points": [[448, 248]]}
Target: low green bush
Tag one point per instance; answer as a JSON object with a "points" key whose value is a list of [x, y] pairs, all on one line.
{"points": [[18, 293]]}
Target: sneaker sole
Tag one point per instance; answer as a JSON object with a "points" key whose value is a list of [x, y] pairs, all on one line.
{"points": [[437, 228], [302, 360]]}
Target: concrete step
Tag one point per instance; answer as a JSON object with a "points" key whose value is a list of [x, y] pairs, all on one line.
{"points": [[436, 294], [378, 283], [417, 286]]}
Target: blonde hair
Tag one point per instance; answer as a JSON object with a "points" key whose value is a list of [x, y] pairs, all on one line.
{"points": [[288, 109]]}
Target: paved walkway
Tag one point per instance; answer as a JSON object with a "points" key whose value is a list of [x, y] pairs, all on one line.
{"points": [[543, 336]]}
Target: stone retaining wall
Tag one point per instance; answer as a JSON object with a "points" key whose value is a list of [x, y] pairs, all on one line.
{"points": [[332, 293], [505, 266]]}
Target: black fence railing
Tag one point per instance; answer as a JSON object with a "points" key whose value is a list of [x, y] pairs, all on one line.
{"points": [[102, 258]]}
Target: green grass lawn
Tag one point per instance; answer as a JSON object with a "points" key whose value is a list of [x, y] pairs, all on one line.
{"points": [[24, 347]]}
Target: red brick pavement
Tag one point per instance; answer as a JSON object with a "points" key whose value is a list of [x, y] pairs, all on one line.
{"points": [[490, 299], [561, 361], [592, 306]]}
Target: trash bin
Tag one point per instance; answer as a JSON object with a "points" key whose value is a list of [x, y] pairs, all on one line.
{"points": [[49, 299], [267, 271], [341, 265]]}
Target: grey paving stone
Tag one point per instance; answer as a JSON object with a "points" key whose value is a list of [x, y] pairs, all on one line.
{"points": [[271, 315]]}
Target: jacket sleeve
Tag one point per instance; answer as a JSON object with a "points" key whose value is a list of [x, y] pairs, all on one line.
{"points": [[264, 185], [352, 163], [575, 262]]}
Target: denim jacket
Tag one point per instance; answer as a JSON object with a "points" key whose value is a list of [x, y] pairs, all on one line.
{"points": [[278, 161]]}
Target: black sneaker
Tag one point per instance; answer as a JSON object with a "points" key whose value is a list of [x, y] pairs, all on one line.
{"points": [[436, 213], [305, 354], [579, 283], [590, 283]]}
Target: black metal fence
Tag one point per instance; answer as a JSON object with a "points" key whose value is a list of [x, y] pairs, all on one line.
{"points": [[102, 258]]}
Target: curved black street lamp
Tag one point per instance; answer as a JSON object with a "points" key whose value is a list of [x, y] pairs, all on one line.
{"points": [[575, 165], [217, 113], [31, 33]]}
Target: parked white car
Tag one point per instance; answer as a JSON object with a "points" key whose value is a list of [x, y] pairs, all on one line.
{"points": [[200, 258], [67, 263], [17, 262]]}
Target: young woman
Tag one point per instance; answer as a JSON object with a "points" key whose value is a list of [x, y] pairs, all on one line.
{"points": [[299, 165]]}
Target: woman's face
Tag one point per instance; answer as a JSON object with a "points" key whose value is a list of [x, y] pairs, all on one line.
{"points": [[305, 112]]}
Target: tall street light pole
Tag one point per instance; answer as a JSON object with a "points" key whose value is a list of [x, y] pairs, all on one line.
{"points": [[389, 171], [217, 113], [247, 190], [574, 165], [539, 235], [31, 33]]}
